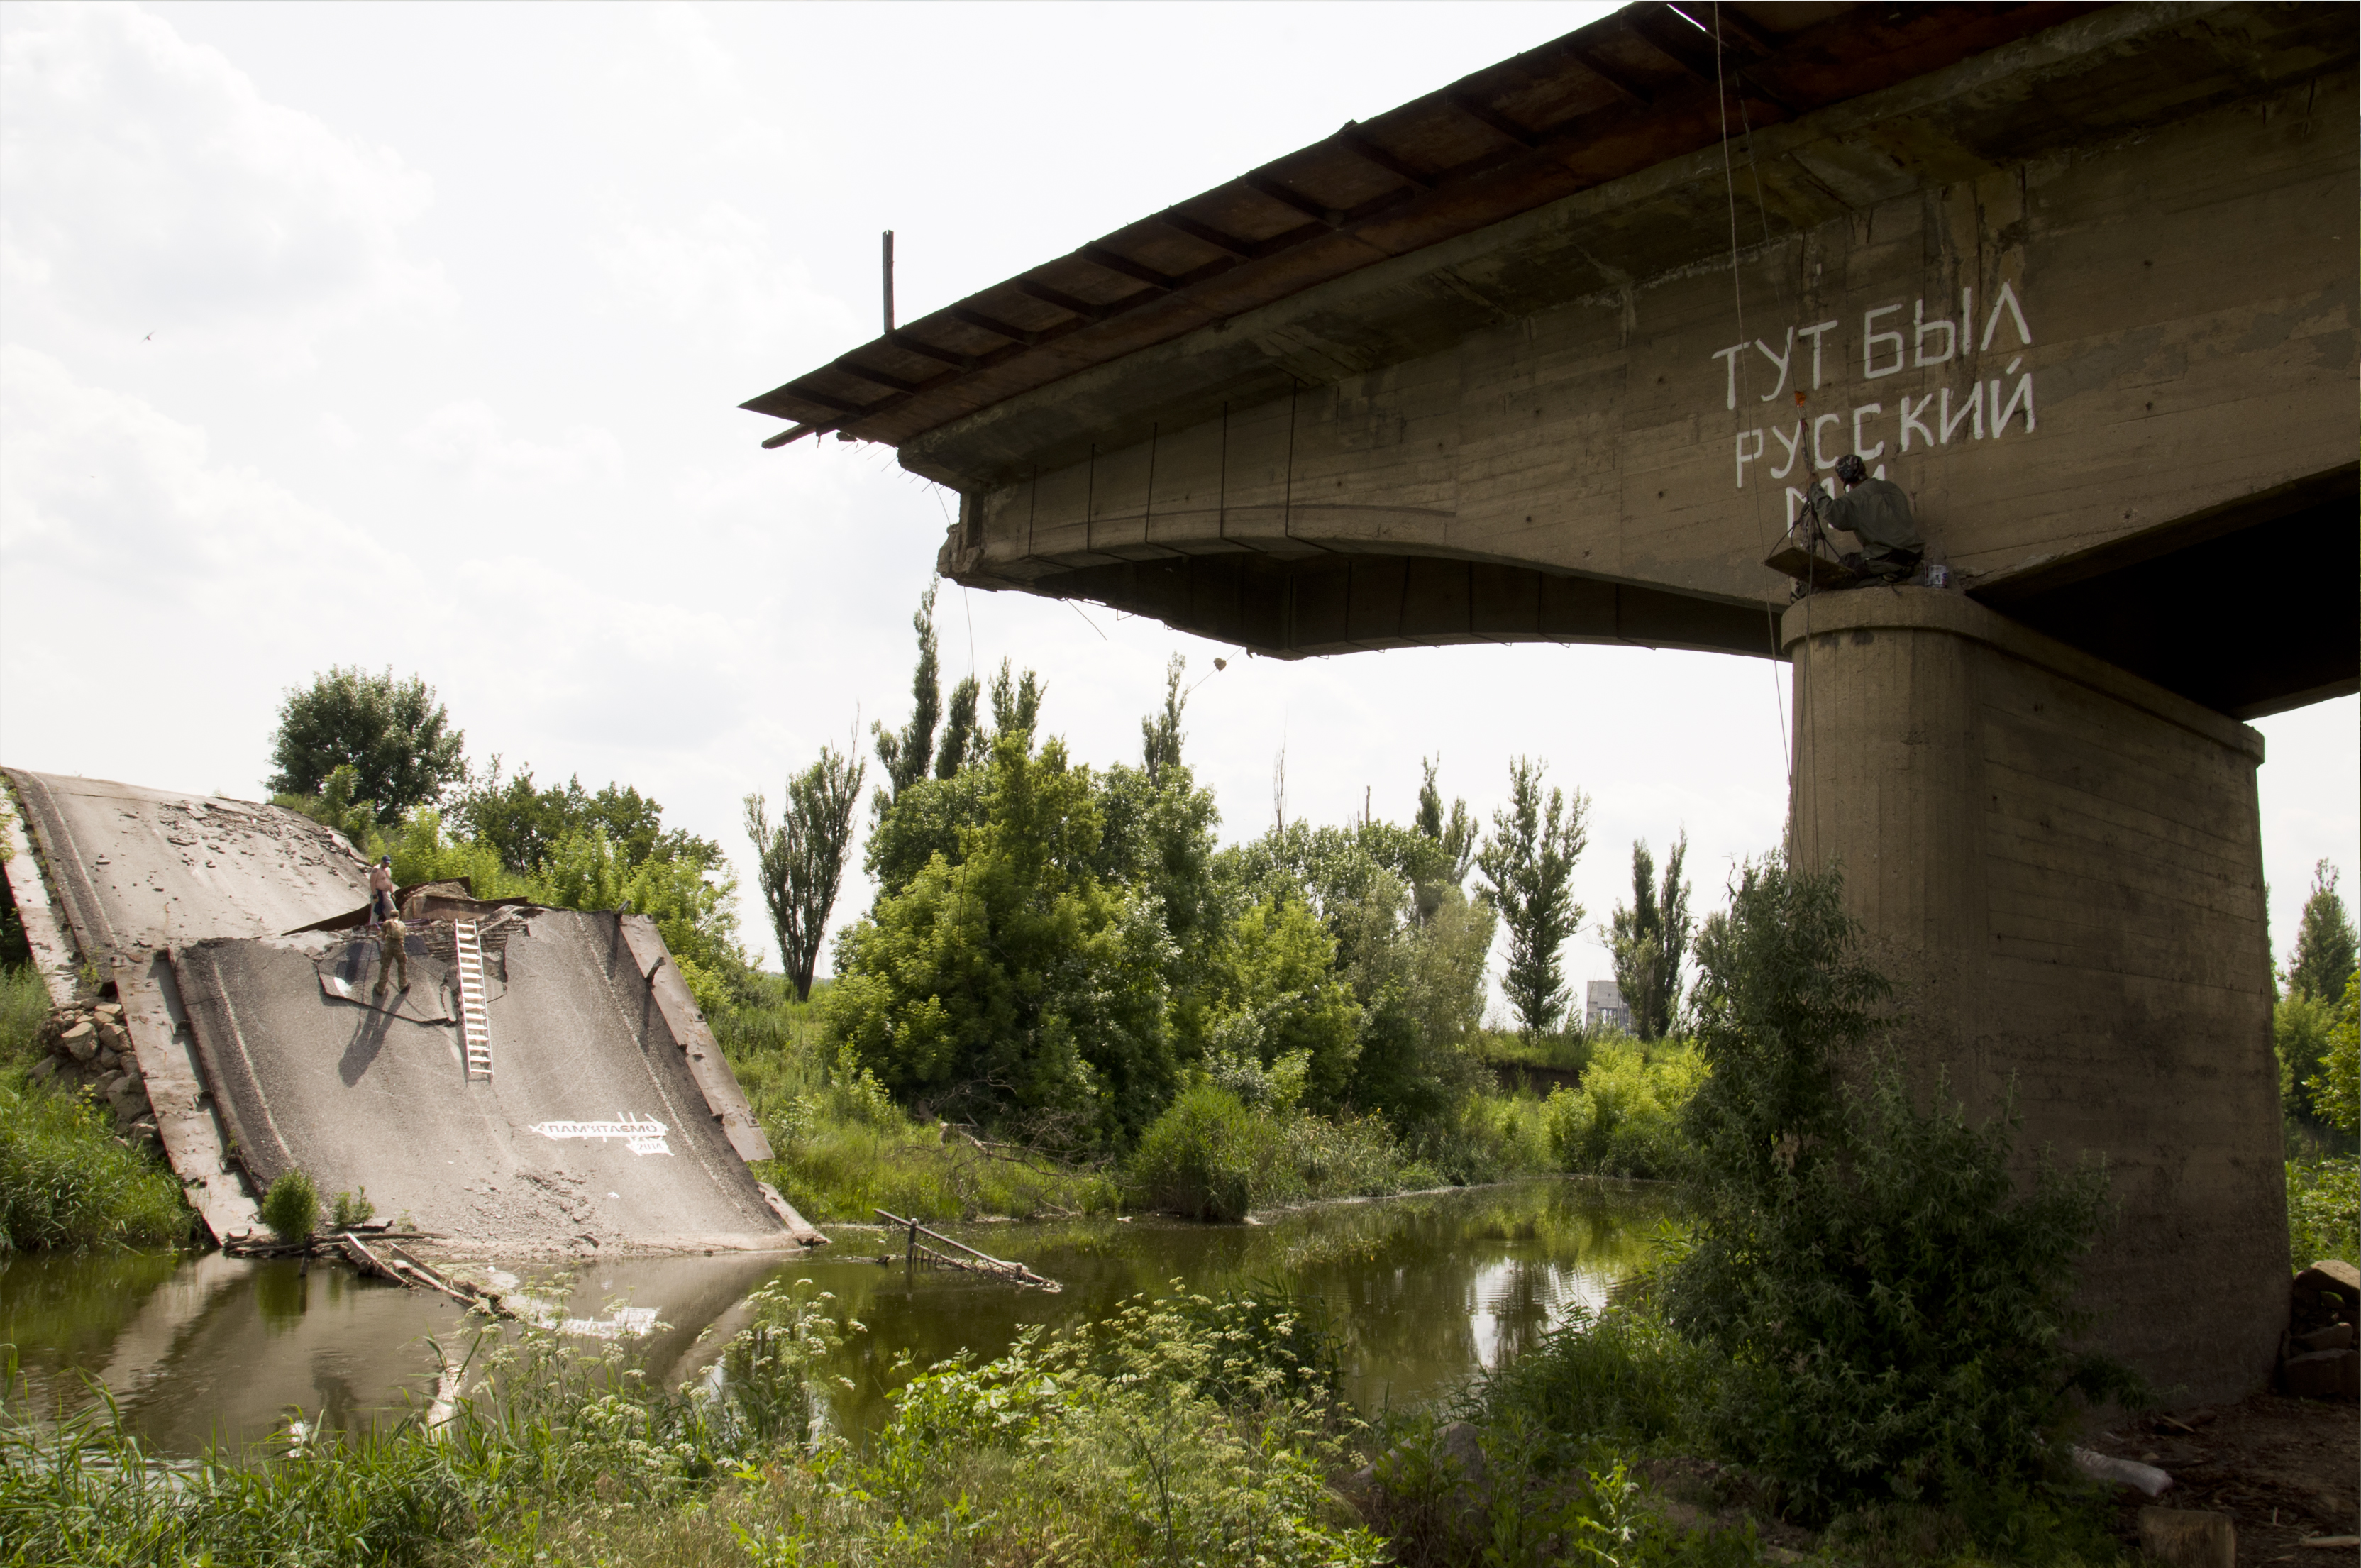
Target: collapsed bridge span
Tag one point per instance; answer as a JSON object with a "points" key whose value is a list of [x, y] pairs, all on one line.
{"points": [[231, 935]]}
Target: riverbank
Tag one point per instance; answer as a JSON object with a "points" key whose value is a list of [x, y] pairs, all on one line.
{"points": [[844, 1148], [67, 1180]]}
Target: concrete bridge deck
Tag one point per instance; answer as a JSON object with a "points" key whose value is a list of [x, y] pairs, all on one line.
{"points": [[611, 1121], [1553, 353]]}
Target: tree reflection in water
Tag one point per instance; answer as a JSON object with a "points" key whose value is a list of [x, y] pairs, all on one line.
{"points": [[1422, 1292]]}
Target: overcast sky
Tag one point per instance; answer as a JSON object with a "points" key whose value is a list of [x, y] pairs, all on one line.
{"points": [[411, 337]]}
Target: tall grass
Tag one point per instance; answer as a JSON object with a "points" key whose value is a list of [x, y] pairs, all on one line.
{"points": [[24, 1002], [1181, 1430], [844, 1149], [65, 1180]]}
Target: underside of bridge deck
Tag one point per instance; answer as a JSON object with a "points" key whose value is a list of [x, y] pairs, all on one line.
{"points": [[2081, 280]]}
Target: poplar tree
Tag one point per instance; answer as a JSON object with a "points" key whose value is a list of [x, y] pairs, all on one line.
{"points": [[1649, 939], [1450, 844], [801, 860], [959, 735], [1159, 733], [907, 754], [1528, 864], [2324, 956]]}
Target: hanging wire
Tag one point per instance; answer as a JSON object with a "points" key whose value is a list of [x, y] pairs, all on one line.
{"points": [[1746, 381]]}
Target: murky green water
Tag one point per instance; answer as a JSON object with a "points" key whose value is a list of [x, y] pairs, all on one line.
{"points": [[1423, 1290]]}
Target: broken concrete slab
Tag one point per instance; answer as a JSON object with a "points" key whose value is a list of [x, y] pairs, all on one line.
{"points": [[138, 868], [592, 1131], [193, 1141], [53, 954]]}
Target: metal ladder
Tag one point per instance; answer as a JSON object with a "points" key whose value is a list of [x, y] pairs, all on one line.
{"points": [[474, 1022]]}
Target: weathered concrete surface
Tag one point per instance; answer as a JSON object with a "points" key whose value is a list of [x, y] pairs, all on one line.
{"points": [[361, 1097], [2072, 292], [2061, 865], [52, 952], [685, 1025], [139, 869], [166, 1048]]}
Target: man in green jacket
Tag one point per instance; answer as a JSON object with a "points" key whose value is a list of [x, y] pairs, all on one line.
{"points": [[1874, 512]]}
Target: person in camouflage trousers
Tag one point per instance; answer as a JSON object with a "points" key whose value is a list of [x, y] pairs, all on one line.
{"points": [[393, 957]]}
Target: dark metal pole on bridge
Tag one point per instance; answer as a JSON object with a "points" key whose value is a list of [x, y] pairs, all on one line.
{"points": [[887, 264]]}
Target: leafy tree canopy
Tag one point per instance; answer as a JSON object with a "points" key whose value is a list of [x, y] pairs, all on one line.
{"points": [[1016, 984], [525, 822], [393, 735], [2324, 956]]}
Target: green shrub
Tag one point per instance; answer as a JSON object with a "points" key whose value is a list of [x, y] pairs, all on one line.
{"points": [[291, 1207], [351, 1208], [1618, 1379], [2323, 1209], [1892, 1304], [1210, 1158], [66, 1181], [1624, 1119]]}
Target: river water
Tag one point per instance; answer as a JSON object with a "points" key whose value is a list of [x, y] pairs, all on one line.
{"points": [[1422, 1292]]}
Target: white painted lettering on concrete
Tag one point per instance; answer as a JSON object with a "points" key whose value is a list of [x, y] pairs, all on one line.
{"points": [[1730, 356], [1744, 457], [1937, 417], [1781, 359], [1868, 453], [1911, 420], [2007, 302], [1815, 331], [1822, 459], [1872, 337], [1974, 408], [2024, 392], [640, 1134]]}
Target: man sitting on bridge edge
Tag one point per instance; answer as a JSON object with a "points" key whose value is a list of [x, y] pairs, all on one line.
{"points": [[1874, 512]]}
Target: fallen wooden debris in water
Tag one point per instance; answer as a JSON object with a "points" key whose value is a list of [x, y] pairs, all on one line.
{"points": [[326, 1245], [984, 1263]]}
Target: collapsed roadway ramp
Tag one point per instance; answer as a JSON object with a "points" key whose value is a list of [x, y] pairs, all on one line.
{"points": [[542, 1083]]}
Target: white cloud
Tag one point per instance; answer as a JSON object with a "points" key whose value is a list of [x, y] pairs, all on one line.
{"points": [[471, 440], [101, 489], [722, 274], [146, 185]]}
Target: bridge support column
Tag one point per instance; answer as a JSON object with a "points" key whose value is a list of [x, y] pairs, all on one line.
{"points": [[2060, 864]]}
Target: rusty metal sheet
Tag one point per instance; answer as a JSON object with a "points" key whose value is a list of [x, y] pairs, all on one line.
{"points": [[1634, 90], [139, 869]]}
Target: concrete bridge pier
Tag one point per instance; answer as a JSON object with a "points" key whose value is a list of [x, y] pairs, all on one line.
{"points": [[2060, 866]]}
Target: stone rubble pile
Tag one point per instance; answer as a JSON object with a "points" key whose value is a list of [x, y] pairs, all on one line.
{"points": [[87, 1049]]}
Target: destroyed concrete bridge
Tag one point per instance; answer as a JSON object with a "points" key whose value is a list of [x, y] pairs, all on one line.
{"points": [[1552, 355], [543, 1085]]}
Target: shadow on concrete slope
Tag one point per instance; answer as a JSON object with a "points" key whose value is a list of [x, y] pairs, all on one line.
{"points": [[591, 1132]]}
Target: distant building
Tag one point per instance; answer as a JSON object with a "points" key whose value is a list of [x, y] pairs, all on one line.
{"points": [[1603, 1007]]}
